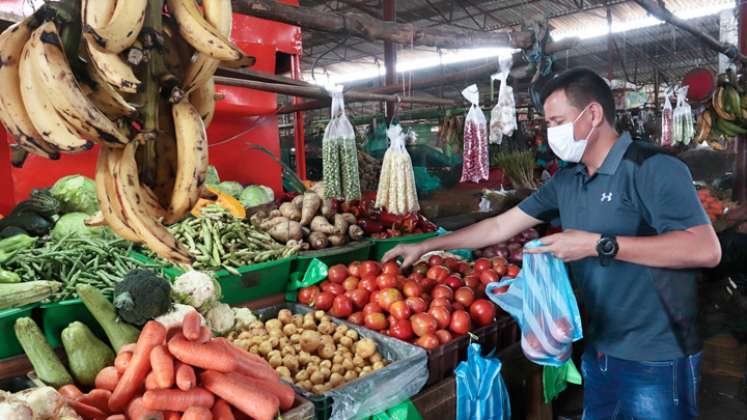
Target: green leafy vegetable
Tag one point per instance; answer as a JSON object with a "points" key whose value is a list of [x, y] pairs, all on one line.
{"points": [[73, 224], [76, 193], [231, 188], [256, 195]]}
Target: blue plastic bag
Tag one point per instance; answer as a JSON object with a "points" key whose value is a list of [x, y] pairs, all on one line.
{"points": [[541, 300], [481, 392]]}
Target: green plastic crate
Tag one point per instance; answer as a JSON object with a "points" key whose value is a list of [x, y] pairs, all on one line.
{"points": [[56, 316], [9, 345], [355, 251], [381, 246]]}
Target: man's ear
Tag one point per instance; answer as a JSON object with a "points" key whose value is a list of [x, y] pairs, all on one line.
{"points": [[597, 112]]}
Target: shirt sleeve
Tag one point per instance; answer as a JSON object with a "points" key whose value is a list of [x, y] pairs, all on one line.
{"points": [[669, 199], [543, 204]]}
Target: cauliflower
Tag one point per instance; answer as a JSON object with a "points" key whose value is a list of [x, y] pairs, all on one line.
{"points": [[220, 318], [197, 289], [175, 317], [243, 317]]}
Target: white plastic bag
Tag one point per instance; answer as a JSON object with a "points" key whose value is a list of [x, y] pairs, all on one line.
{"points": [[397, 192], [666, 119], [682, 119], [476, 166], [339, 153], [503, 115]]}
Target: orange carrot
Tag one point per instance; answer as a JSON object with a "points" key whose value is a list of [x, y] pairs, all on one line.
{"points": [[137, 411], [70, 391], [150, 381], [127, 348], [191, 325], [98, 398], [117, 417], [86, 411], [152, 335], [197, 413], [211, 355], [186, 378], [177, 400], [249, 364], [107, 378], [172, 415], [285, 394], [251, 400], [122, 360], [222, 411], [205, 334], [163, 367]]}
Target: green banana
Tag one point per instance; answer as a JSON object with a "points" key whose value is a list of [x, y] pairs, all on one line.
{"points": [[733, 102], [729, 128]]}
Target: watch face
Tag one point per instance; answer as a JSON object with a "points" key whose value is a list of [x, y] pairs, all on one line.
{"points": [[608, 246]]}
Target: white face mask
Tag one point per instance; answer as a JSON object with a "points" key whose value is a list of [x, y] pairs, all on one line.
{"points": [[564, 144]]}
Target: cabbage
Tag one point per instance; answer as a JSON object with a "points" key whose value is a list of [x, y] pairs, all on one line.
{"points": [[76, 193], [212, 176], [256, 195], [231, 188], [73, 223]]}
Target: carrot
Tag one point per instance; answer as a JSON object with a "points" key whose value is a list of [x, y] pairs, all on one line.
{"points": [[107, 378], [98, 398], [250, 364], [210, 355], [70, 391], [222, 411], [127, 348], [197, 413], [122, 360], [172, 415], [163, 367], [186, 378], [191, 325], [150, 382], [137, 411], [88, 412], [250, 400], [205, 334], [152, 335], [177, 400], [116, 417], [285, 394]]}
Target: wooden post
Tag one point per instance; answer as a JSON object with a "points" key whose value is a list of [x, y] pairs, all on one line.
{"points": [[390, 56], [739, 191]]}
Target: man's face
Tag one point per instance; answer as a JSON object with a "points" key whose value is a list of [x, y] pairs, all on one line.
{"points": [[559, 111]]}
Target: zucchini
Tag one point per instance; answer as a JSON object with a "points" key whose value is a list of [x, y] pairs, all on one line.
{"points": [[47, 365], [86, 354], [10, 245], [118, 332], [15, 295]]}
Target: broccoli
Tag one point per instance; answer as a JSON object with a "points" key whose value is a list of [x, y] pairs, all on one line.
{"points": [[142, 295]]}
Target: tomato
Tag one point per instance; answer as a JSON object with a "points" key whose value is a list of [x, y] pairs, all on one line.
{"points": [[441, 315], [499, 261], [499, 290], [400, 310], [337, 273], [435, 260], [500, 269], [530, 340], [368, 283], [307, 295], [372, 307], [444, 336], [471, 280], [489, 276], [442, 291], [336, 289], [416, 304], [324, 300], [482, 264], [374, 296], [388, 296], [437, 273], [354, 269], [411, 289], [451, 263], [386, 281], [464, 295], [454, 281], [482, 311], [375, 321], [423, 324], [351, 283], [441, 302], [460, 322], [356, 318], [370, 268], [342, 307], [462, 267], [561, 330], [360, 297], [415, 276], [458, 306], [420, 268], [428, 341], [513, 270], [427, 284], [401, 329], [390, 267]]}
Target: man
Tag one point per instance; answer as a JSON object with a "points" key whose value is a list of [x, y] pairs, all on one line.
{"points": [[634, 231]]}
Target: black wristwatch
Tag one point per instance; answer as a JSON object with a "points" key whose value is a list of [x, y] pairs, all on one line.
{"points": [[607, 248]]}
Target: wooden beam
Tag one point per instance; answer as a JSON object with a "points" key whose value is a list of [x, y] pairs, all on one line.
{"points": [[368, 27]]}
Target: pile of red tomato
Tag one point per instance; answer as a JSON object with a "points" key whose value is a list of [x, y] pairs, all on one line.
{"points": [[440, 299]]}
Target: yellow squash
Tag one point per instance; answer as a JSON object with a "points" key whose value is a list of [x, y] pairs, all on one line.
{"points": [[222, 199]]}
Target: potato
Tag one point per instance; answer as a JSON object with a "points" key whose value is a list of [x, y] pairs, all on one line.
{"points": [[311, 368], [295, 338], [359, 361], [275, 361], [306, 385], [335, 380], [309, 324], [277, 334], [319, 389], [254, 349], [244, 334], [284, 372], [304, 358], [285, 316], [326, 372], [327, 351], [326, 339], [273, 324], [342, 329], [310, 341], [337, 368], [259, 332], [353, 334], [337, 336], [347, 364], [376, 357], [326, 318], [365, 348], [350, 375], [326, 328], [297, 347], [265, 348], [302, 375], [315, 360], [346, 341], [274, 353], [283, 342], [288, 351], [318, 315], [377, 365], [257, 339], [291, 362], [325, 364], [274, 341], [297, 320], [256, 325], [289, 329], [337, 359], [317, 378]]}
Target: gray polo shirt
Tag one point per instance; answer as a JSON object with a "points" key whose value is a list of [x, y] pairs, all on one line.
{"points": [[635, 312]]}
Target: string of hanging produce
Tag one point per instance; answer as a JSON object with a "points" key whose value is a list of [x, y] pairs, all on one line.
{"points": [[397, 192]]}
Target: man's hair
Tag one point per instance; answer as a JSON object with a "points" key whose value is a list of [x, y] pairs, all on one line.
{"points": [[582, 86]]}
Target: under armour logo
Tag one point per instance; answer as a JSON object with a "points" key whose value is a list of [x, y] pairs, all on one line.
{"points": [[606, 197]]}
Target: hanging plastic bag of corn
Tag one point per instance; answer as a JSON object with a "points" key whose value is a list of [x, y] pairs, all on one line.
{"points": [[339, 153], [503, 115], [476, 166], [397, 192], [666, 119], [682, 119]]}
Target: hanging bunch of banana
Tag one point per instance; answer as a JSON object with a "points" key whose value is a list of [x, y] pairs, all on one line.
{"points": [[725, 115], [138, 83]]}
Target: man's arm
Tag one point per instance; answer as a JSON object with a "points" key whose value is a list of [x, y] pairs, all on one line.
{"points": [[487, 232]]}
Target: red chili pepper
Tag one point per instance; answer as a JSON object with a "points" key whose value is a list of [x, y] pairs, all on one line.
{"points": [[379, 235], [371, 226], [390, 219], [393, 233], [409, 224]]}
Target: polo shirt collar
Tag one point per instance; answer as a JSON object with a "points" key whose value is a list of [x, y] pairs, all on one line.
{"points": [[614, 157]]}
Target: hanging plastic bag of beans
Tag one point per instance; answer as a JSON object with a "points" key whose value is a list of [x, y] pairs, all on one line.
{"points": [[339, 154], [397, 193], [503, 115], [666, 120], [476, 166]]}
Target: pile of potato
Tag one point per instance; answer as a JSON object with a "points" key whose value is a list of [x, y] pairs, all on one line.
{"points": [[310, 350]]}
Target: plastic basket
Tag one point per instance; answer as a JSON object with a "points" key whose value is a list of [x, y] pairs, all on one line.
{"points": [[381, 246], [56, 316], [355, 251], [9, 345]]}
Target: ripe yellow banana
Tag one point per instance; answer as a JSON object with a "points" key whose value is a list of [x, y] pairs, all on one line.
{"points": [[111, 209], [203, 99], [719, 105], [123, 28], [153, 233], [45, 49], [12, 112], [111, 67], [703, 129], [192, 152], [200, 34], [97, 13], [219, 14]]}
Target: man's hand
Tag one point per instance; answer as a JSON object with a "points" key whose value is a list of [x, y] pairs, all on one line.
{"points": [[409, 253], [570, 245]]}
